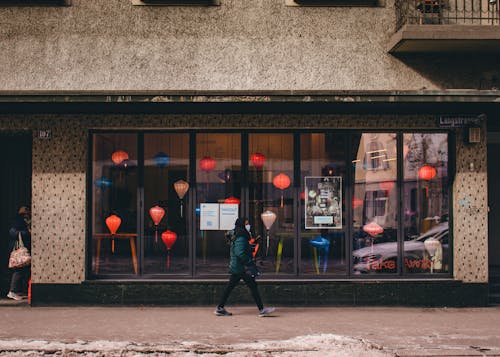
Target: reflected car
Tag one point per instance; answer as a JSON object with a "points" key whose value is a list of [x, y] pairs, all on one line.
{"points": [[382, 257]]}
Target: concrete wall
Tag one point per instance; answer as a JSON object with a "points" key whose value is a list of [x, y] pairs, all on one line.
{"points": [[257, 45], [60, 164]]}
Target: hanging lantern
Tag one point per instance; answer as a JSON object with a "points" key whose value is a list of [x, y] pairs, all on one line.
{"points": [[258, 160], [373, 229], [207, 164], [426, 172], [119, 156], [281, 181], [386, 185], [113, 222], [168, 237], [156, 214], [357, 202], [181, 187], [302, 195], [103, 182], [161, 159], [432, 245], [268, 218], [232, 200]]}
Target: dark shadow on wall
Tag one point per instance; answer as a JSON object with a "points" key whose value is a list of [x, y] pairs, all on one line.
{"points": [[456, 71]]}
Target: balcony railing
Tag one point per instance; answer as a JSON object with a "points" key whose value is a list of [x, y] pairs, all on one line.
{"points": [[447, 12]]}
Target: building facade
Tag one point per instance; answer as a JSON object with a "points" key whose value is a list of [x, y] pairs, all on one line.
{"points": [[354, 137]]}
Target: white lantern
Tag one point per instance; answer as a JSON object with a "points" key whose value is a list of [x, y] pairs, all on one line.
{"points": [[268, 218]]}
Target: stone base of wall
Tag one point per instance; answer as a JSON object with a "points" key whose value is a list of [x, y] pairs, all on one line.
{"points": [[284, 293]]}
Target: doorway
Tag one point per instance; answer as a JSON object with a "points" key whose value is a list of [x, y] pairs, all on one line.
{"points": [[15, 190]]}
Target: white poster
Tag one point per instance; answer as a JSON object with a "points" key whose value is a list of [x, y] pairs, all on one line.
{"points": [[227, 216], [209, 216]]}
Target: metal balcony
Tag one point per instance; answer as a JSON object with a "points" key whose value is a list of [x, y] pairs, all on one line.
{"points": [[446, 26]]}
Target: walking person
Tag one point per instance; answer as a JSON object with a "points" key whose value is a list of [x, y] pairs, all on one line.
{"points": [[242, 266], [20, 276]]}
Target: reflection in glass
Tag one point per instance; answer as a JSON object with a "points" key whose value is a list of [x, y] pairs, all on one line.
{"points": [[218, 178], [425, 203], [323, 160], [271, 192], [166, 161], [114, 208], [374, 202]]}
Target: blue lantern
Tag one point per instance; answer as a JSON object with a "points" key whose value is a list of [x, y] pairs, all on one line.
{"points": [[321, 244], [103, 182], [161, 159]]}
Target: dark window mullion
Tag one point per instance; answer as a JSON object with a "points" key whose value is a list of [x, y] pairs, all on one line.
{"points": [[140, 202]]}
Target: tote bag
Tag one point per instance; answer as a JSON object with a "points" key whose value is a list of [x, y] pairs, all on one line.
{"points": [[19, 257]]}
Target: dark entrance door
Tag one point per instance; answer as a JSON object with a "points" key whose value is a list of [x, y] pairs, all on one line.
{"points": [[15, 190], [494, 203]]}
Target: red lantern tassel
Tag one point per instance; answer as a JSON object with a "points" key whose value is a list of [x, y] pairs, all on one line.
{"points": [[113, 245], [281, 199], [156, 234], [168, 259]]}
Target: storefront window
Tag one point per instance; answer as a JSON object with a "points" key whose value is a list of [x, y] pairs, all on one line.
{"points": [[323, 229], [374, 204], [271, 208], [218, 181], [323, 204], [166, 171], [425, 200], [114, 210]]}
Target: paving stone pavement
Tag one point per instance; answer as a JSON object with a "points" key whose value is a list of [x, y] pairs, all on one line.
{"points": [[292, 331]]}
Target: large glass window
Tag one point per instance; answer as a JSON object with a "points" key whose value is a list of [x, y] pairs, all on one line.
{"points": [[323, 203], [374, 203], [271, 201], [218, 181], [425, 203], [114, 210], [323, 229], [166, 172]]}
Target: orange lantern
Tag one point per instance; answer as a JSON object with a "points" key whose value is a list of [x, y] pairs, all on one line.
{"points": [[207, 164], [356, 202], [113, 222], [119, 156], [426, 172], [281, 181], [386, 185], [233, 200], [373, 229], [181, 187], [258, 160], [168, 237], [156, 214]]}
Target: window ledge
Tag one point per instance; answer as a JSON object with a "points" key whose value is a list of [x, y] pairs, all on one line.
{"points": [[176, 2]]}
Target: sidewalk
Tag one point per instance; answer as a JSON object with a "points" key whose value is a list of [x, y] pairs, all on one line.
{"points": [[193, 331]]}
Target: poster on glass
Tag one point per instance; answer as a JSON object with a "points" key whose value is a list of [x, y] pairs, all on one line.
{"points": [[323, 199]]}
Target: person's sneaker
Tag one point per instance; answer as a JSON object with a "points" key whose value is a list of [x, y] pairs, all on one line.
{"points": [[266, 311], [13, 295], [220, 311]]}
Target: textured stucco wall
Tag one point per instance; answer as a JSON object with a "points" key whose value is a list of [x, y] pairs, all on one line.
{"points": [[257, 45], [59, 179]]}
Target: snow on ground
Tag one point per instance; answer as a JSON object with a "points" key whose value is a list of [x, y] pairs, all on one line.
{"points": [[307, 346]]}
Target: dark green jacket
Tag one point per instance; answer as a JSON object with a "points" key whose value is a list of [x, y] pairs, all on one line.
{"points": [[241, 255]]}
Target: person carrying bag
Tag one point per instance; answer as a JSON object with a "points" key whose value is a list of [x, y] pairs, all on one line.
{"points": [[20, 258]]}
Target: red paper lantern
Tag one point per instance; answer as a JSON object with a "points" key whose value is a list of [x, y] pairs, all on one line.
{"points": [[302, 195], [357, 202], [207, 164], [113, 222], [119, 156], [386, 185], [426, 172], [168, 237], [156, 214], [258, 160], [281, 181], [232, 200], [373, 229]]}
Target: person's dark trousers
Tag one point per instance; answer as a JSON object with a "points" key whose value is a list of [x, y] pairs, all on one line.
{"points": [[234, 279], [18, 282]]}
